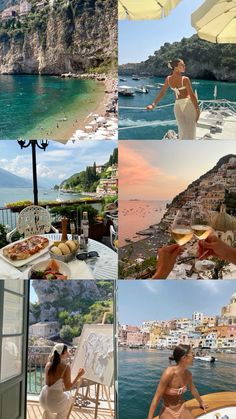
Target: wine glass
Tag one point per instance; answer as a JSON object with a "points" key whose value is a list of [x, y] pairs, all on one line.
{"points": [[200, 219], [181, 230]]}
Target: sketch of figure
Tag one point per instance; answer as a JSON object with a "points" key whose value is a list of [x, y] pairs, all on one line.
{"points": [[98, 350]]}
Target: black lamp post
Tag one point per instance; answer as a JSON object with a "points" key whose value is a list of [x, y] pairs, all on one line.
{"points": [[42, 145]]}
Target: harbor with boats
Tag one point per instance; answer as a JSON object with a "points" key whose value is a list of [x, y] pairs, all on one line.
{"points": [[216, 101]]}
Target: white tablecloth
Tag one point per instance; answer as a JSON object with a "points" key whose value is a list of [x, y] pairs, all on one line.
{"points": [[103, 267]]}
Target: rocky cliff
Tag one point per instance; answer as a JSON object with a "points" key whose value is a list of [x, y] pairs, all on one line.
{"points": [[71, 35], [57, 296], [204, 60]]}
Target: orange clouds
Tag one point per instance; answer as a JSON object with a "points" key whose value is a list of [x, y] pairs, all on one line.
{"points": [[138, 178]]}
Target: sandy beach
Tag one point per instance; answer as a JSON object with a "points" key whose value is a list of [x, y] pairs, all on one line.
{"points": [[102, 121]]}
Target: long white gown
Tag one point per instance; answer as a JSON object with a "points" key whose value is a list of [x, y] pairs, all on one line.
{"points": [[54, 400]]}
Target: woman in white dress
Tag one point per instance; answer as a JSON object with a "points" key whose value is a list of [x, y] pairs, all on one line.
{"points": [[54, 399], [186, 107]]}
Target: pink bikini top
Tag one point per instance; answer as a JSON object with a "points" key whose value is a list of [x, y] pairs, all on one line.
{"points": [[170, 391]]}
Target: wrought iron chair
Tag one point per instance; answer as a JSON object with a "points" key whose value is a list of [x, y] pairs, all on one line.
{"points": [[33, 220]]}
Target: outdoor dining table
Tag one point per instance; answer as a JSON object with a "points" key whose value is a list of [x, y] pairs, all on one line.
{"points": [[103, 267]]}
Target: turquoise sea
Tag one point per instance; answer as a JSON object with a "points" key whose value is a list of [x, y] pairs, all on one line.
{"points": [[140, 370], [36, 107], [163, 119]]}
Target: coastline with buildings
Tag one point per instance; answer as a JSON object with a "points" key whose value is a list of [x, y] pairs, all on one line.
{"points": [[216, 333], [159, 315], [212, 191]]}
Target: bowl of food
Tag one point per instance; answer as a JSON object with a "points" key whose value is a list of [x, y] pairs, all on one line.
{"points": [[50, 269], [64, 251]]}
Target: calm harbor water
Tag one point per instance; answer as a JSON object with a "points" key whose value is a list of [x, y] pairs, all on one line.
{"points": [[162, 119], [140, 370], [138, 215], [44, 106], [24, 194]]}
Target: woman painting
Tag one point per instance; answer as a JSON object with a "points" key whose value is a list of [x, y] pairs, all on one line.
{"points": [[173, 384], [53, 397], [186, 107]]}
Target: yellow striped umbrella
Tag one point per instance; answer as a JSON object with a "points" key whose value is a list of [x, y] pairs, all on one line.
{"points": [[215, 21], [145, 9]]}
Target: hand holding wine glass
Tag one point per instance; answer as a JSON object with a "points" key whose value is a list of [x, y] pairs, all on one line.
{"points": [[181, 230]]}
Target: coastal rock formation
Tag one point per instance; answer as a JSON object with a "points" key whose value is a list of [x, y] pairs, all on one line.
{"points": [[72, 36], [57, 296], [204, 60]]}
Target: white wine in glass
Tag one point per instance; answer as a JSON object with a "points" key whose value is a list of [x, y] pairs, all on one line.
{"points": [[200, 226], [181, 235], [201, 231], [181, 230]]}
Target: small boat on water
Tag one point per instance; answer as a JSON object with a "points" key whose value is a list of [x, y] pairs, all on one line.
{"points": [[126, 91], [135, 77], [141, 89], [209, 358], [121, 79]]}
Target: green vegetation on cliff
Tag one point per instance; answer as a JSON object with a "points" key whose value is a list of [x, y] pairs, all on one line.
{"points": [[70, 35], [88, 179], [203, 59]]}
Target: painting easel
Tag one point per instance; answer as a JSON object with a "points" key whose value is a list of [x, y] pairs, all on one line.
{"points": [[99, 390]]}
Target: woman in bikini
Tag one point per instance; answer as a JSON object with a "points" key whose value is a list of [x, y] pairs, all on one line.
{"points": [[173, 384], [186, 107], [53, 397]]}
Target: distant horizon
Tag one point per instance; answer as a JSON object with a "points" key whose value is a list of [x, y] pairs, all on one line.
{"points": [[148, 171]]}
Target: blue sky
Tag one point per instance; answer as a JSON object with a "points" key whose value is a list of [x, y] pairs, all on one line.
{"points": [[58, 162], [139, 39], [162, 300]]}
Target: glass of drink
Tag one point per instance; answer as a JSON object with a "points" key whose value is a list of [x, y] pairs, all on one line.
{"points": [[200, 220], [200, 223], [181, 230]]}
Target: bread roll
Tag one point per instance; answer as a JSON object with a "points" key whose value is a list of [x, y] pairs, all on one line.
{"points": [[71, 245], [56, 251], [64, 248]]}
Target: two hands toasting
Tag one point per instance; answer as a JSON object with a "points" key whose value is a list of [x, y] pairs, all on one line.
{"points": [[182, 231]]}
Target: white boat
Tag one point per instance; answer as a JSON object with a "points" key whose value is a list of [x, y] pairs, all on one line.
{"points": [[206, 358], [121, 79], [141, 89], [217, 120], [220, 413], [126, 91]]}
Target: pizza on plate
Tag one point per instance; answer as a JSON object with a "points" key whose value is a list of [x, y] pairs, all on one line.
{"points": [[25, 248]]}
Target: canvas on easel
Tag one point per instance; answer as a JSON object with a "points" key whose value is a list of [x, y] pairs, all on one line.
{"points": [[95, 354]]}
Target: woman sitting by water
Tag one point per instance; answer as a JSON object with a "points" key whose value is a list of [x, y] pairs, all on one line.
{"points": [[172, 386], [53, 398], [186, 107]]}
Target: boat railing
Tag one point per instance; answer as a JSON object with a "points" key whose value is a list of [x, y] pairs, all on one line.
{"points": [[216, 103]]}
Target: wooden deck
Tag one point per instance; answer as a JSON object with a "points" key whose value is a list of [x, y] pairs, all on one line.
{"points": [[214, 401], [34, 411]]}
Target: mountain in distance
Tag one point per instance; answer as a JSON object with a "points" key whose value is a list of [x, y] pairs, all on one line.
{"points": [[8, 180]]}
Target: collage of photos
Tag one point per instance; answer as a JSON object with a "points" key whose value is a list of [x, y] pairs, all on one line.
{"points": [[117, 244]]}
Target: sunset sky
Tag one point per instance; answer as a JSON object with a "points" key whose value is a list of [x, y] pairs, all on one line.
{"points": [[158, 170]]}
